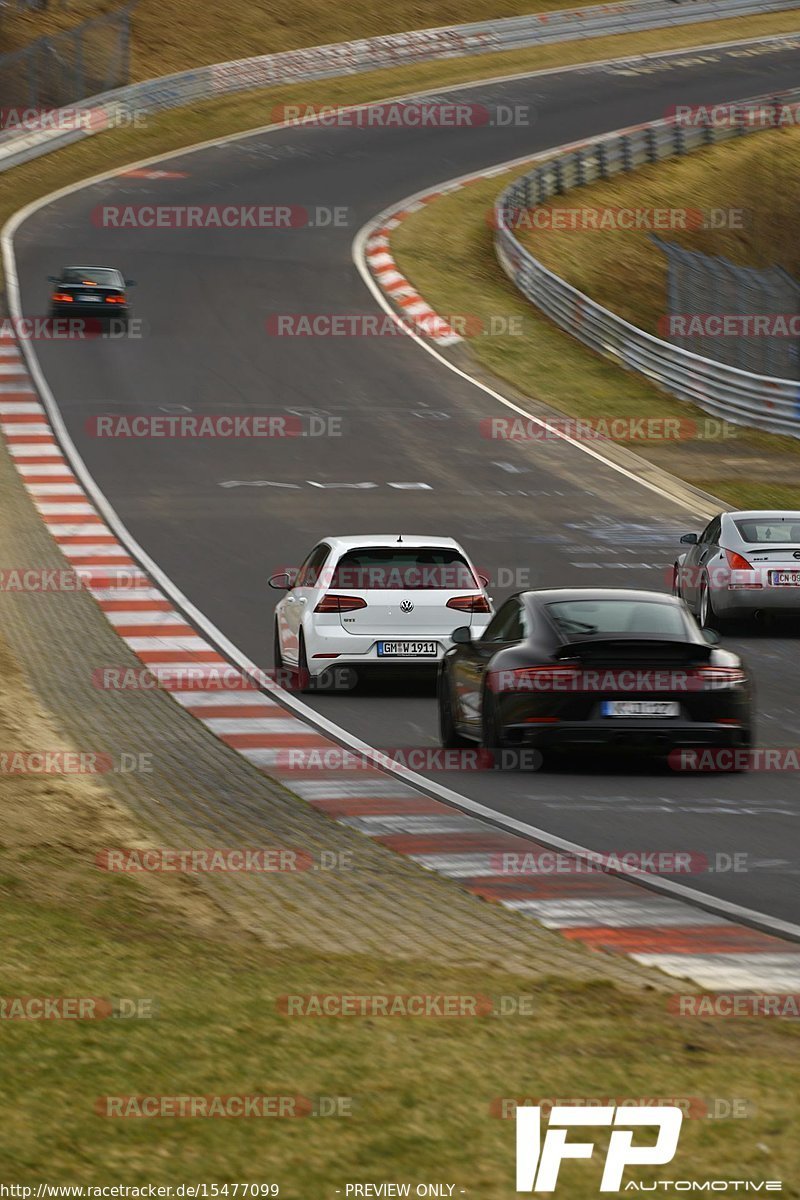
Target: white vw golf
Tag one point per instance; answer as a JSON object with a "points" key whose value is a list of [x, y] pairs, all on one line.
{"points": [[375, 601]]}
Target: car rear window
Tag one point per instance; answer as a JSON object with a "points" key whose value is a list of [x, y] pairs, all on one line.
{"points": [[102, 276], [770, 529], [421, 568], [584, 618]]}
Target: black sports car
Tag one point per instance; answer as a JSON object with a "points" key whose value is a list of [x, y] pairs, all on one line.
{"points": [[90, 291], [595, 667]]}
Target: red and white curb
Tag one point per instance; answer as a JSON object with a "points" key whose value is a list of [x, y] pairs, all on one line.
{"points": [[605, 912], [411, 306], [402, 294]]}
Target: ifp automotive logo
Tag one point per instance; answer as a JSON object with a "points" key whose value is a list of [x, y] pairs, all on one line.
{"points": [[538, 1161]]}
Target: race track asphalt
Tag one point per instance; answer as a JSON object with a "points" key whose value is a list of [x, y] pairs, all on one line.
{"points": [[219, 516]]}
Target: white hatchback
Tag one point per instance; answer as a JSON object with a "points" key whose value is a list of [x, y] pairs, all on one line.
{"points": [[375, 601]]}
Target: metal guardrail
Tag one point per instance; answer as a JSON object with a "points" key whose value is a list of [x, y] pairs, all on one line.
{"points": [[369, 54], [738, 396]]}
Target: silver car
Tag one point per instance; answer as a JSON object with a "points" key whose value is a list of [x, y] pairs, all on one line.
{"points": [[741, 565]]}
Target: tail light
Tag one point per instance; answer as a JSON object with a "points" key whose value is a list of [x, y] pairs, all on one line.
{"points": [[713, 678], [737, 562], [62, 297], [472, 604], [115, 299], [535, 679], [335, 604]]}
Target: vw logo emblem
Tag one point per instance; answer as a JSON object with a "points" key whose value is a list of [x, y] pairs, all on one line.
{"points": [[406, 606]]}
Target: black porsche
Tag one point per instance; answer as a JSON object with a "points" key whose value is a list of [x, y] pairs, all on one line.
{"points": [[593, 667]]}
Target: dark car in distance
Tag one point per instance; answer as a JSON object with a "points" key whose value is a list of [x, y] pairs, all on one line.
{"points": [[593, 667], [90, 291]]}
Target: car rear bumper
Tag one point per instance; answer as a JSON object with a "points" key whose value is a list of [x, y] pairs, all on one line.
{"points": [[661, 736], [89, 310], [346, 649], [741, 601]]}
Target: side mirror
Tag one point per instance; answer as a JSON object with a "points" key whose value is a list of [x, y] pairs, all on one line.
{"points": [[712, 637], [462, 636], [283, 581], [130, 283], [484, 580], [689, 539]]}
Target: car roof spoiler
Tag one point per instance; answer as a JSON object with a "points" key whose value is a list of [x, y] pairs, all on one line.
{"points": [[633, 646]]}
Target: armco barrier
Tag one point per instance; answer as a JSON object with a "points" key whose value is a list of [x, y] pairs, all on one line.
{"points": [[370, 54], [726, 392]]}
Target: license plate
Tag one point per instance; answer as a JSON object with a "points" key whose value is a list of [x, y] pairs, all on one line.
{"points": [[407, 649], [91, 299], [640, 708], [785, 578]]}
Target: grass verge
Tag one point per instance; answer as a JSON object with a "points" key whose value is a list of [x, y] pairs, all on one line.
{"points": [[418, 1094], [759, 176], [446, 249], [185, 33]]}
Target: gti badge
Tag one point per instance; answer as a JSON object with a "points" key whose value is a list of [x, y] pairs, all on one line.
{"points": [[406, 606]]}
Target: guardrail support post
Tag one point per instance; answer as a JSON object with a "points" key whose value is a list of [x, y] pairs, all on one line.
{"points": [[627, 157], [652, 147], [678, 140], [602, 161], [558, 177]]}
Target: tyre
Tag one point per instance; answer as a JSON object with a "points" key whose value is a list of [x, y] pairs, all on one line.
{"points": [[449, 736], [280, 672], [706, 617], [305, 683], [491, 730], [676, 587]]}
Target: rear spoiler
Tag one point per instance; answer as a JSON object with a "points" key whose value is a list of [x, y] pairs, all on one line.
{"points": [[633, 646]]}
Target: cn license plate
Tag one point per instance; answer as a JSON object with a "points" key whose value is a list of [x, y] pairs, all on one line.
{"points": [[407, 649], [640, 708], [87, 299], [785, 578]]}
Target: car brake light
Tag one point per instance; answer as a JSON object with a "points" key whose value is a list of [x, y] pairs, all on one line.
{"points": [[333, 604], [62, 297], [712, 678], [737, 562], [473, 604], [115, 299]]}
